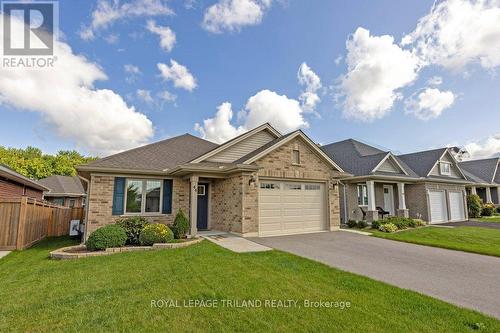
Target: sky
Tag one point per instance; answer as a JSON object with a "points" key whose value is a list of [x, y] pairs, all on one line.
{"points": [[401, 75]]}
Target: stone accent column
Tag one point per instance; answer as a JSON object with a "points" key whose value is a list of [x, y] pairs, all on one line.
{"points": [[488, 195], [473, 190], [372, 213], [402, 210], [193, 204]]}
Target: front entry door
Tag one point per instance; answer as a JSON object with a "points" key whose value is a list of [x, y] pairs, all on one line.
{"points": [[389, 199], [202, 218]]}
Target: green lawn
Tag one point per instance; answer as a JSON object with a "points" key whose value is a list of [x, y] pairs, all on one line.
{"points": [[488, 219], [114, 293], [469, 239]]}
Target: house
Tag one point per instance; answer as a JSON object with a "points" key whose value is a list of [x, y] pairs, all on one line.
{"points": [[15, 185], [485, 176], [65, 191], [260, 183], [428, 185]]}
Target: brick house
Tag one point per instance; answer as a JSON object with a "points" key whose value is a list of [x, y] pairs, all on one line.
{"points": [[15, 185], [64, 191], [260, 183], [485, 177]]}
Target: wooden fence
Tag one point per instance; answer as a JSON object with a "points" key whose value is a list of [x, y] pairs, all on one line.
{"points": [[25, 221]]}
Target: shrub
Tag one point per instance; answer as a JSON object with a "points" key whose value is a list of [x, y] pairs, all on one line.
{"points": [[400, 222], [133, 227], [352, 223], [362, 224], [419, 223], [498, 210], [488, 209], [388, 227], [181, 225], [155, 233], [108, 236], [474, 204], [378, 223]]}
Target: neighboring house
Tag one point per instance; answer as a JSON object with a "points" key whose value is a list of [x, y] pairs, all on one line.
{"points": [[15, 185], [65, 191], [428, 185], [260, 183], [485, 175]]}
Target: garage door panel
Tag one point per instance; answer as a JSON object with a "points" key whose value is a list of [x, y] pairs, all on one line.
{"points": [[457, 207], [438, 206]]}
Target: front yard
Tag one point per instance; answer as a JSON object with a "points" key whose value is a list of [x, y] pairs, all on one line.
{"points": [[488, 219], [469, 239], [114, 293]]}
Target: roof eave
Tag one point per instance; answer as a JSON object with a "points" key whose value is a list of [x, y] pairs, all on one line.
{"points": [[120, 170]]}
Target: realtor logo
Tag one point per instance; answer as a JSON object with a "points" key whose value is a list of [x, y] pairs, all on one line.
{"points": [[28, 28]]}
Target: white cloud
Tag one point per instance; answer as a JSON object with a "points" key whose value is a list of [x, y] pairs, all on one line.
{"points": [[144, 95], [377, 69], [489, 147], [266, 106], [311, 82], [178, 74], [429, 104], [435, 81], [112, 38], [459, 32], [132, 69], [232, 15], [167, 36], [98, 120], [108, 12], [167, 96]]}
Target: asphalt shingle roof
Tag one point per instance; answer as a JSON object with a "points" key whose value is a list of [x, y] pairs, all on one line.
{"points": [[423, 161], [157, 156], [482, 169], [63, 184]]}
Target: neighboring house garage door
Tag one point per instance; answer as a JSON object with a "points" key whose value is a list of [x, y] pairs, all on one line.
{"points": [[437, 201], [291, 208], [457, 209]]}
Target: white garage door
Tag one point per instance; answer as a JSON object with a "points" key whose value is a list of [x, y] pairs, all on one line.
{"points": [[457, 210], [291, 208], [437, 201]]}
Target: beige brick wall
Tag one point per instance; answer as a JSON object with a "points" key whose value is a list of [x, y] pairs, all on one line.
{"points": [[226, 204], [101, 202]]}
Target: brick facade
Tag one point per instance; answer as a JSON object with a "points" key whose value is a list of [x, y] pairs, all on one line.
{"points": [[10, 189]]}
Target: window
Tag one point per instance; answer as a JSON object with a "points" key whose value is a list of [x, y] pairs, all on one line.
{"points": [[201, 189], [362, 195], [72, 203], [445, 168], [293, 186], [312, 187], [58, 201], [295, 157], [143, 196], [269, 186]]}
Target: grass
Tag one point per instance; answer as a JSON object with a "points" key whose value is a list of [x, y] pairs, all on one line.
{"points": [[488, 219], [114, 293], [468, 239]]}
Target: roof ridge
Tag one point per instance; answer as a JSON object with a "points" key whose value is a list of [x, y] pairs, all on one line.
{"points": [[424, 151]]}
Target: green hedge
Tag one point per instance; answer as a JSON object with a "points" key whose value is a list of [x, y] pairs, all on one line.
{"points": [[156, 233], [180, 227], [108, 236], [133, 227]]}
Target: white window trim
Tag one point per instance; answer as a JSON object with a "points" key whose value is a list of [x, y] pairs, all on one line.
{"points": [[441, 164], [143, 202], [298, 157], [357, 195], [204, 190]]}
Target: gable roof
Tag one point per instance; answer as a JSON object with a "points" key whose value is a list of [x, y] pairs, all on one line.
{"points": [[157, 156], [233, 141], [10, 174], [422, 162], [63, 185], [361, 159], [482, 171]]}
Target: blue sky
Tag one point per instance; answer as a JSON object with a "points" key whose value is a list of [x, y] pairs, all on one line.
{"points": [[233, 60]]}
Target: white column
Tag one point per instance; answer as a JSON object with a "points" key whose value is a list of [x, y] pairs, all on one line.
{"points": [[401, 195], [473, 190], [498, 194], [370, 188], [193, 214], [488, 195]]}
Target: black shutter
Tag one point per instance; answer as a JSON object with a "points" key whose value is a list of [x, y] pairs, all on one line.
{"points": [[118, 195], [167, 196]]}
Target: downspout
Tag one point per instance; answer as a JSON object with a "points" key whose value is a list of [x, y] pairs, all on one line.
{"points": [[85, 219]]}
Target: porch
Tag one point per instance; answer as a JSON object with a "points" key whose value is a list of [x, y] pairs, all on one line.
{"points": [[489, 194]]}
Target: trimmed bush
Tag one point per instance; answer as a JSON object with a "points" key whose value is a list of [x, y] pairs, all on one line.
{"points": [[180, 227], [400, 222], [352, 223], [388, 227], [108, 236], [474, 205], [498, 210], [419, 223], [362, 224], [155, 233], [378, 223], [133, 227], [488, 209]]}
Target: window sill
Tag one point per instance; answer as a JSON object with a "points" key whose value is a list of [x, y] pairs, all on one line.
{"points": [[298, 164], [144, 214]]}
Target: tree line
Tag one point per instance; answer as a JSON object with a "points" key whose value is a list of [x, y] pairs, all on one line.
{"points": [[33, 163]]}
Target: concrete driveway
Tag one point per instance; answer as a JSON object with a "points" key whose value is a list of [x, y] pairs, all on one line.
{"points": [[465, 279]]}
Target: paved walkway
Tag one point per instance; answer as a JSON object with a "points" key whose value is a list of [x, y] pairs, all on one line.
{"points": [[3, 254], [492, 225], [235, 243], [465, 279]]}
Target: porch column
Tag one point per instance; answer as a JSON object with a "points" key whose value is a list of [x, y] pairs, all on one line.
{"points": [[402, 210], [488, 195], [193, 202], [372, 213], [498, 195], [473, 190]]}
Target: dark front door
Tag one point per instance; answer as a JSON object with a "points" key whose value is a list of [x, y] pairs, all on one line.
{"points": [[202, 219]]}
